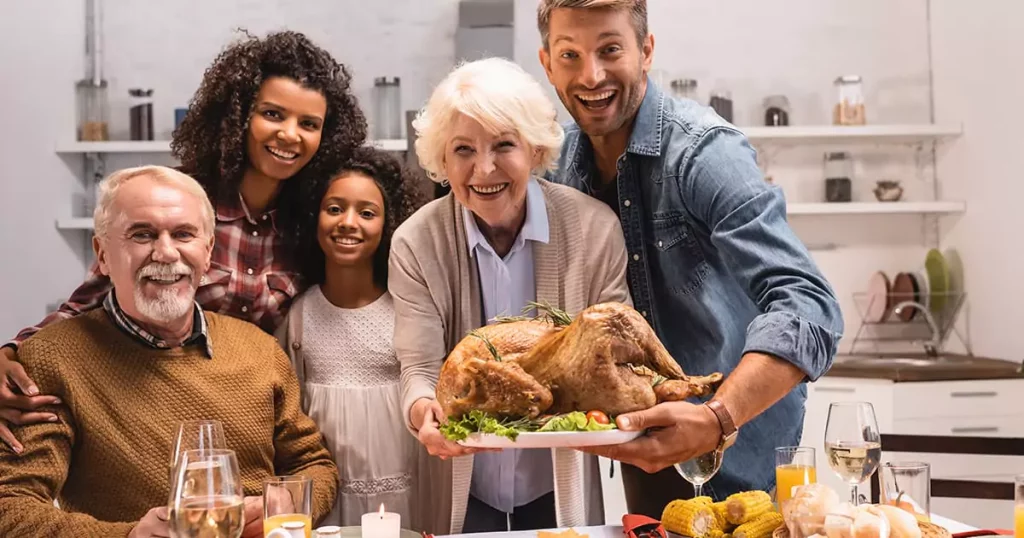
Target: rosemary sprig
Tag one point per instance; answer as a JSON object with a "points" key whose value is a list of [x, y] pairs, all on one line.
{"points": [[559, 317], [656, 378], [490, 346], [510, 319]]}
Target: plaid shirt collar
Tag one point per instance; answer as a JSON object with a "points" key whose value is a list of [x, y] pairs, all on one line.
{"points": [[200, 330], [235, 209]]}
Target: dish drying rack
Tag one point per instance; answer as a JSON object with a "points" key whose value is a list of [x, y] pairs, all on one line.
{"points": [[929, 328]]}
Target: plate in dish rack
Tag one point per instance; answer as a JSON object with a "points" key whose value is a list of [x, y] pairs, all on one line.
{"points": [[550, 439]]}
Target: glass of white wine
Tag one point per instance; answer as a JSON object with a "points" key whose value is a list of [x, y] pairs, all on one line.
{"points": [[852, 443], [197, 435], [699, 470], [206, 496]]}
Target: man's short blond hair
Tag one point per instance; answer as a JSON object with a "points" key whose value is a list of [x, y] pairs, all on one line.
{"points": [[502, 97], [637, 10], [103, 215]]}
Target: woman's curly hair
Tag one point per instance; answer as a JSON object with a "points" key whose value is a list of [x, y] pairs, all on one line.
{"points": [[210, 143], [401, 199]]}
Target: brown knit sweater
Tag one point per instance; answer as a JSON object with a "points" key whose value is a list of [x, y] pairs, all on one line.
{"points": [[107, 458]]}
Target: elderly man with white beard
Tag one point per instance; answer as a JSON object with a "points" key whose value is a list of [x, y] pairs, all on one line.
{"points": [[129, 373]]}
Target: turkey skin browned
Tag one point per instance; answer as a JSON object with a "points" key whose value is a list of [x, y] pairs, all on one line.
{"points": [[607, 358]]}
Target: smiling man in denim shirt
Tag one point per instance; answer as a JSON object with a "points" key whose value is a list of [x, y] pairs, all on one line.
{"points": [[713, 264]]}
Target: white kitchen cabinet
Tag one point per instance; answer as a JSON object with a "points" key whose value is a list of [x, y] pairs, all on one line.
{"points": [[993, 408]]}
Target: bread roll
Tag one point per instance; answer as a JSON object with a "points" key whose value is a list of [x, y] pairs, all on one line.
{"points": [[867, 524], [805, 513], [903, 524]]}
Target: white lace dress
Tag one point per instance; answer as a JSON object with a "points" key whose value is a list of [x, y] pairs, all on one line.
{"points": [[353, 392]]}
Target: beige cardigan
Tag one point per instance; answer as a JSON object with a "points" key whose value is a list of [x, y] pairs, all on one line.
{"points": [[436, 289]]}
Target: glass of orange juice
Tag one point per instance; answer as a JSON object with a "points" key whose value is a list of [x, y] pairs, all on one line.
{"points": [[794, 466], [287, 499], [1018, 507]]}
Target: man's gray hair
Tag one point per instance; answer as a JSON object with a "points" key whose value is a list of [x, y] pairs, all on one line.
{"points": [[102, 216]]}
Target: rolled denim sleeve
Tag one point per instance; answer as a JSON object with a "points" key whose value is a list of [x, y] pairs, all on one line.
{"points": [[800, 318]]}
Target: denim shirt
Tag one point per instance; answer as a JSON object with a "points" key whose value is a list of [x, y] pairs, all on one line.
{"points": [[714, 266]]}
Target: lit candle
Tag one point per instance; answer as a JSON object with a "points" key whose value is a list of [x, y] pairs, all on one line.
{"points": [[381, 524]]}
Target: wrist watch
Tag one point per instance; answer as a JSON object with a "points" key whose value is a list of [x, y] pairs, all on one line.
{"points": [[729, 429]]}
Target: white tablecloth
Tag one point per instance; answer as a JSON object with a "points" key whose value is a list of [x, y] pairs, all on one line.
{"points": [[615, 531]]}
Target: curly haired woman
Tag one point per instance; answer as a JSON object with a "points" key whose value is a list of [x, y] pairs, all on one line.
{"points": [[270, 118], [353, 391]]}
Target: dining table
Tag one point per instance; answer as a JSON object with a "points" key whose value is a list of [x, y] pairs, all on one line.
{"points": [[616, 531]]}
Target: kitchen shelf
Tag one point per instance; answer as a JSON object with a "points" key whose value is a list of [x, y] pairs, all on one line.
{"points": [[836, 134], [116, 146], [75, 224], [849, 208], [877, 208], [164, 146]]}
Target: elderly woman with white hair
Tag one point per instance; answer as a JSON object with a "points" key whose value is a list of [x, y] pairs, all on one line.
{"points": [[500, 240]]}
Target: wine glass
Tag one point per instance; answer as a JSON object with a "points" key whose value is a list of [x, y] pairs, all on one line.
{"points": [[206, 496], [699, 470], [852, 443], [197, 435]]}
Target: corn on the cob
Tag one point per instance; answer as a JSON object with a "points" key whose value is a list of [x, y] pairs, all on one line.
{"points": [[719, 510], [688, 518], [760, 527], [746, 505], [703, 500]]}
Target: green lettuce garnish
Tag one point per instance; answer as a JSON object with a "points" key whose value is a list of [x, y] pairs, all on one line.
{"points": [[458, 429], [477, 422], [576, 421]]}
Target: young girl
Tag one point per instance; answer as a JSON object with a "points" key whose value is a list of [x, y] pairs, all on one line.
{"points": [[339, 335], [272, 118]]}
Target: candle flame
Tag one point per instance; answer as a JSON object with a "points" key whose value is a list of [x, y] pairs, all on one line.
{"points": [[381, 509]]}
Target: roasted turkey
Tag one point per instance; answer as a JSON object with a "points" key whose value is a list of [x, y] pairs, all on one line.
{"points": [[607, 358]]}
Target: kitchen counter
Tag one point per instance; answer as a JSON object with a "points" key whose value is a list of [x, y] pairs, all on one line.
{"points": [[919, 367]]}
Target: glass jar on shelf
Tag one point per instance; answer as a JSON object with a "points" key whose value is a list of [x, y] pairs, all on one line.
{"points": [[849, 107], [141, 114], [721, 101], [776, 111], [684, 88], [92, 110], [838, 177], [387, 101]]}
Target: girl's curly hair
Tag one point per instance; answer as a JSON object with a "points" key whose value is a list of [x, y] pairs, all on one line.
{"points": [[210, 142], [401, 199]]}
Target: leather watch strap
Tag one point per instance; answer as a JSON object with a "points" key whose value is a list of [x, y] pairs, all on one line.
{"points": [[724, 418]]}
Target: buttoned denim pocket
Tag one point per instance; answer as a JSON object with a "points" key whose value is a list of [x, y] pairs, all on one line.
{"points": [[679, 263]]}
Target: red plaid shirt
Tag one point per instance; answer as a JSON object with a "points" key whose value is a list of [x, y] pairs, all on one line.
{"points": [[250, 275]]}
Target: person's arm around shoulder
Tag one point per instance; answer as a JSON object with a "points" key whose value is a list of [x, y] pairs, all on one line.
{"points": [[20, 399], [298, 443], [30, 481]]}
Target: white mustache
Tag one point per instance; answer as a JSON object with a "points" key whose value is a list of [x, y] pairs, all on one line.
{"points": [[165, 270]]}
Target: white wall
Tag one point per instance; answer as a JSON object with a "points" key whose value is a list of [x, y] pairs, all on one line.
{"points": [[978, 78], [794, 47]]}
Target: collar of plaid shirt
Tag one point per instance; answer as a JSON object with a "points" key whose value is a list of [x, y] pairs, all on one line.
{"points": [[200, 330], [236, 209]]}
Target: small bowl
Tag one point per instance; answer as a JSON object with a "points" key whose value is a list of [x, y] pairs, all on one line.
{"points": [[888, 191]]}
